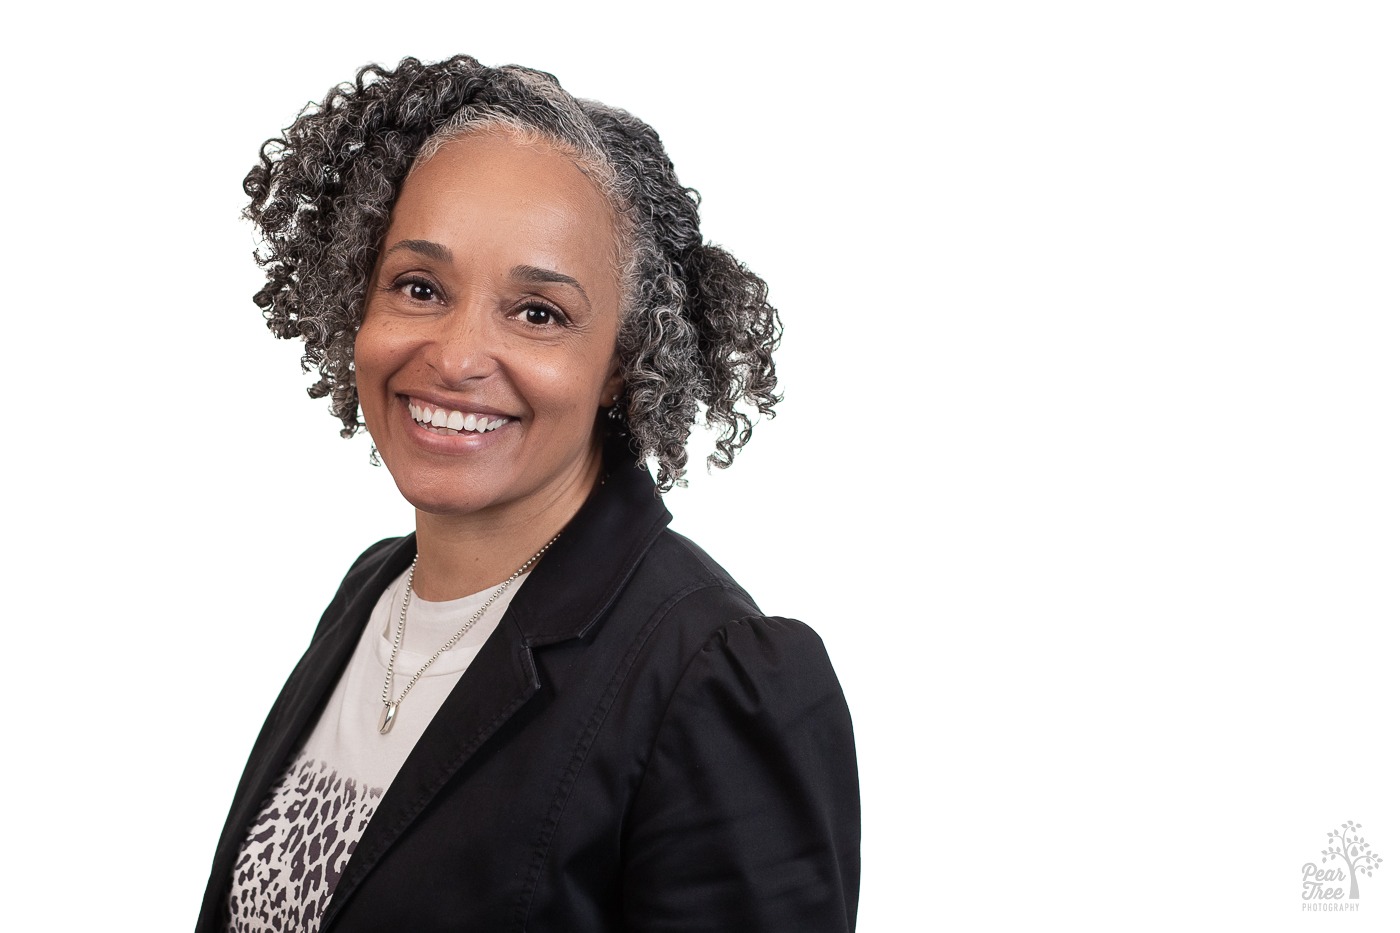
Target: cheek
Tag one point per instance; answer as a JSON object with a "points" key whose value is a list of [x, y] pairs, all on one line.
{"points": [[364, 365], [573, 386], [375, 351], [374, 361]]}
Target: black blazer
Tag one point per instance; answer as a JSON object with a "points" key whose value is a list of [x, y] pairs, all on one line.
{"points": [[634, 748]]}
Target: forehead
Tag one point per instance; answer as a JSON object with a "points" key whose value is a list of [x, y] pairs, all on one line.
{"points": [[497, 193]]}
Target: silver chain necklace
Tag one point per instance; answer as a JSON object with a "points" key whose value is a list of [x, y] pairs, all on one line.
{"points": [[391, 709]]}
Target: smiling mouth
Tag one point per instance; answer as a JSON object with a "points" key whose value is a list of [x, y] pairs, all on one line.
{"points": [[448, 421]]}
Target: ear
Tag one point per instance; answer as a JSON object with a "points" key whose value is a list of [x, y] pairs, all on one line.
{"points": [[612, 389]]}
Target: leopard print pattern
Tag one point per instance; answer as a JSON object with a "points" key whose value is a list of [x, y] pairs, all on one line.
{"points": [[297, 848]]}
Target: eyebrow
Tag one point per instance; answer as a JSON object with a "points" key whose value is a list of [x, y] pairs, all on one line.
{"points": [[423, 248], [524, 273], [536, 275]]}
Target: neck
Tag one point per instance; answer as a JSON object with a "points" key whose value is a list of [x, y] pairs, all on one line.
{"points": [[463, 554]]}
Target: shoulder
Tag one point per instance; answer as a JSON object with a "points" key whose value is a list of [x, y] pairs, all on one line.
{"points": [[687, 582], [702, 588], [706, 629]]}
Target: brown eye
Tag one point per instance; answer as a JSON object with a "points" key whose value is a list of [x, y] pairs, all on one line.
{"points": [[419, 290], [540, 315]]}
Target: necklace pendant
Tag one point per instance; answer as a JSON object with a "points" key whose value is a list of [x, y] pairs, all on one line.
{"points": [[386, 718]]}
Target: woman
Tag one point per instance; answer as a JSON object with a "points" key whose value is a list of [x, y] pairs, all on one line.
{"points": [[542, 710]]}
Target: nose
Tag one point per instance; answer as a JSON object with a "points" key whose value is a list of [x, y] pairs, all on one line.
{"points": [[465, 345]]}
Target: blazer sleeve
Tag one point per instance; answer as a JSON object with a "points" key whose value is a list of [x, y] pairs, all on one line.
{"points": [[748, 815]]}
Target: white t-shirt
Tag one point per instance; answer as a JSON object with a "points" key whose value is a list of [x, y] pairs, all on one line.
{"points": [[314, 815]]}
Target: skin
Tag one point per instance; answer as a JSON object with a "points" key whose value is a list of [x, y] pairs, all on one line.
{"points": [[497, 291]]}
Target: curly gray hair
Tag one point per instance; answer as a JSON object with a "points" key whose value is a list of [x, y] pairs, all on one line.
{"points": [[696, 326]]}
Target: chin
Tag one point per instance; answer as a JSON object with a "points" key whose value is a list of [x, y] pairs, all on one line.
{"points": [[454, 501]]}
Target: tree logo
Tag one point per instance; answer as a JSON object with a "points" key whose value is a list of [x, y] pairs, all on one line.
{"points": [[1348, 847]]}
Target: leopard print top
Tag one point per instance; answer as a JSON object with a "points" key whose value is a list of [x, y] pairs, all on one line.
{"points": [[297, 848]]}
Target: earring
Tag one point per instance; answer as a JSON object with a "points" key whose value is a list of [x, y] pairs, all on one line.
{"points": [[616, 417]]}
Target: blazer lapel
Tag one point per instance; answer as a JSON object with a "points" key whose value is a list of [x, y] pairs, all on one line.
{"points": [[566, 595], [500, 680]]}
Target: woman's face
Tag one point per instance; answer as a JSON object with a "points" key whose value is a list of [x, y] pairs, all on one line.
{"points": [[489, 334]]}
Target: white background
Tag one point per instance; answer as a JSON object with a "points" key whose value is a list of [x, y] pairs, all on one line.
{"points": [[1087, 471]]}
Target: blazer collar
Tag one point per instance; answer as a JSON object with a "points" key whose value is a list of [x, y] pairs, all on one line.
{"points": [[598, 551]]}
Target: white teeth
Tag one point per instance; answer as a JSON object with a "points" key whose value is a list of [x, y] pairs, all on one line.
{"points": [[453, 420]]}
